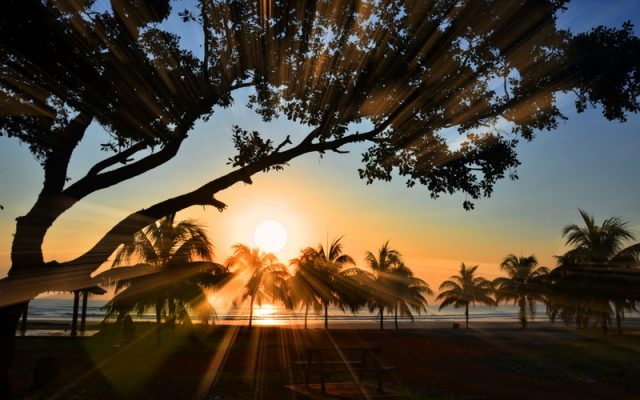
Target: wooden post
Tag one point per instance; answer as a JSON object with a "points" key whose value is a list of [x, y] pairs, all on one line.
{"points": [[23, 323], [83, 317], [74, 320]]}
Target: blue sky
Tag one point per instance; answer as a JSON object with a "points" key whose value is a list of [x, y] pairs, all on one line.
{"points": [[587, 163]]}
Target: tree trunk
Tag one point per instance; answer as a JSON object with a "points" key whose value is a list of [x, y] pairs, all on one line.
{"points": [[306, 312], [522, 302], [326, 315], [381, 318], [396, 316], [83, 316], [74, 320], [250, 312], [9, 317], [466, 314]]}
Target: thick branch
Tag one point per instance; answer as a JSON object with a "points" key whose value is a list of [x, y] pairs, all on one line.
{"points": [[203, 196], [91, 183], [57, 162], [121, 157]]}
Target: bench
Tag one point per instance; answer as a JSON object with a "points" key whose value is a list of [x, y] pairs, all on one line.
{"points": [[324, 361]]}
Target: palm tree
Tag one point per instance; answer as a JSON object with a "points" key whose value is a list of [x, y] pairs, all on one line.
{"points": [[306, 289], [523, 285], [464, 289], [408, 292], [268, 276], [174, 271], [382, 264], [333, 282], [596, 270]]}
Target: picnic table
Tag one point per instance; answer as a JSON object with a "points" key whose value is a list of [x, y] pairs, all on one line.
{"points": [[357, 361]]}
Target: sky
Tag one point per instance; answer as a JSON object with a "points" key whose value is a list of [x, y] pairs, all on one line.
{"points": [[588, 163]]}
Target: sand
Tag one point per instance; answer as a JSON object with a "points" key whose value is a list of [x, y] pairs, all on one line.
{"points": [[491, 360]]}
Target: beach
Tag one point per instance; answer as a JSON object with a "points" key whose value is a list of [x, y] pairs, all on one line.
{"points": [[490, 360]]}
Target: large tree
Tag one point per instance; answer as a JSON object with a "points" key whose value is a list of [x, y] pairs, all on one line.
{"points": [[413, 71]]}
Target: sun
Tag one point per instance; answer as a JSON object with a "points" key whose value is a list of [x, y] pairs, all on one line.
{"points": [[270, 236]]}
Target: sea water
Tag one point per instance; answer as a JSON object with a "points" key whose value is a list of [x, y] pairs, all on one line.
{"points": [[61, 310]]}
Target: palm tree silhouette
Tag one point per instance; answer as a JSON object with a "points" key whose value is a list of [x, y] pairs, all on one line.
{"points": [[595, 271], [175, 271], [382, 265], [523, 286], [464, 289], [408, 292], [332, 280], [305, 286], [268, 276]]}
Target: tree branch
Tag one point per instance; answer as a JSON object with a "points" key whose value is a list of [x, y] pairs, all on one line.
{"points": [[121, 157], [57, 161], [206, 38], [284, 143], [204, 195]]}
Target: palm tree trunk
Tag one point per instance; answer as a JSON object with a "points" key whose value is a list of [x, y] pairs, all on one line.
{"points": [[522, 302], [396, 316], [381, 318], [618, 317], [326, 315], [158, 320], [306, 313], [171, 321], [251, 312], [466, 314]]}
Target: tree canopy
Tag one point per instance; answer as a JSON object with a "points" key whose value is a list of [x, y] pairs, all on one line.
{"points": [[413, 73]]}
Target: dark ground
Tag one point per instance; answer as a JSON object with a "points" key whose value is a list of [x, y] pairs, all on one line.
{"points": [[238, 363]]}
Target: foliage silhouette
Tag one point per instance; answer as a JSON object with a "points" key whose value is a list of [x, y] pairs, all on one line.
{"points": [[464, 289], [305, 285], [408, 291], [267, 277], [524, 284], [598, 271], [382, 264], [332, 282], [176, 267]]}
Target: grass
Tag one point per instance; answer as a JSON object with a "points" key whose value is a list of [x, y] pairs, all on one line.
{"points": [[257, 363]]}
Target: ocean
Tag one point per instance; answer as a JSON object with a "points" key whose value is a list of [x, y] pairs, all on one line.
{"points": [[52, 317], [61, 311]]}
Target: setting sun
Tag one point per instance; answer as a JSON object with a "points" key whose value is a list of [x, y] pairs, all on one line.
{"points": [[270, 236]]}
